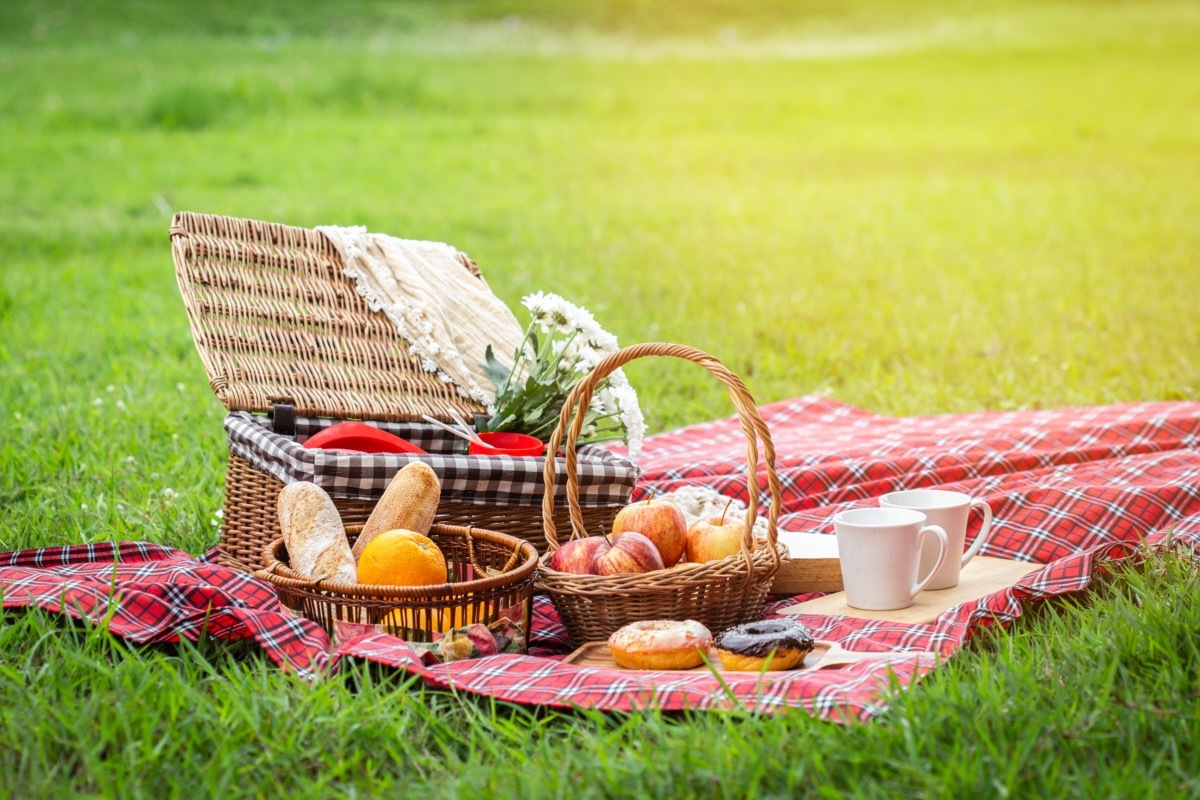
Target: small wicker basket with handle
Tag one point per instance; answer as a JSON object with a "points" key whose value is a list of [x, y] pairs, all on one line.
{"points": [[719, 594], [489, 573]]}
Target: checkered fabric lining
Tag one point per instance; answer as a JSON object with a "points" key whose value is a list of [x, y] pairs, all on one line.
{"points": [[604, 478], [1074, 489]]}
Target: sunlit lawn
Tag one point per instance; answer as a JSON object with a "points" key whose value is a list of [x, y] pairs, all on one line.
{"points": [[934, 209]]}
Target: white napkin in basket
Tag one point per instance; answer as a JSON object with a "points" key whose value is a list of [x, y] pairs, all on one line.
{"points": [[698, 502], [447, 315]]}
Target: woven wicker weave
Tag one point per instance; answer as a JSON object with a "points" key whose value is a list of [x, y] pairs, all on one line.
{"points": [[275, 320], [465, 599], [719, 594]]}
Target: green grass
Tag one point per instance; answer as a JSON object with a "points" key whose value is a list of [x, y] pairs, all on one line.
{"points": [[916, 208], [1096, 700]]}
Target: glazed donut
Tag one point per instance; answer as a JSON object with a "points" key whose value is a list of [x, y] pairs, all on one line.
{"points": [[747, 648], [660, 644]]}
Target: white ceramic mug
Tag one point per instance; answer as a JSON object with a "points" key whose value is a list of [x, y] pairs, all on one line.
{"points": [[949, 511], [879, 550]]}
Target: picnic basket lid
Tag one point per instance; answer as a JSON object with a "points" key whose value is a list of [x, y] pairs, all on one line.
{"points": [[277, 322]]}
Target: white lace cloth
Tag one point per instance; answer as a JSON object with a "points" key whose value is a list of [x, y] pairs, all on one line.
{"points": [[447, 315]]}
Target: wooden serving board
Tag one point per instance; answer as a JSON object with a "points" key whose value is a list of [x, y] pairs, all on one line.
{"points": [[811, 566], [824, 655], [981, 577]]}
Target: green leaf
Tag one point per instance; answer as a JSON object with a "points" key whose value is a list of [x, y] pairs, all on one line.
{"points": [[496, 371], [540, 410], [502, 423]]}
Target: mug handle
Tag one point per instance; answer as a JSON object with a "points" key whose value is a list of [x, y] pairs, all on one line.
{"points": [[984, 530], [943, 548]]}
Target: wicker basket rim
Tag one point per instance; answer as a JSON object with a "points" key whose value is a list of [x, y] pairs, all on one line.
{"points": [[663, 580], [278, 572]]}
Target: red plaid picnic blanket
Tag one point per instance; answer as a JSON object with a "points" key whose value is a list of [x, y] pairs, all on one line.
{"points": [[1070, 488]]}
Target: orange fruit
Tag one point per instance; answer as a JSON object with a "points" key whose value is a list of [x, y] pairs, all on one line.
{"points": [[402, 620], [402, 558]]}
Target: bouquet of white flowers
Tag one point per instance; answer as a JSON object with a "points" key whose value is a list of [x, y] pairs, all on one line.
{"points": [[562, 344]]}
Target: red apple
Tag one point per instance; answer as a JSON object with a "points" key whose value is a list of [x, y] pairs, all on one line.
{"points": [[713, 539], [630, 552], [577, 555], [661, 522]]}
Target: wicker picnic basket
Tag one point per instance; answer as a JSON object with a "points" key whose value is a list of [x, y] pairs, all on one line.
{"points": [[290, 347], [489, 573], [719, 594]]}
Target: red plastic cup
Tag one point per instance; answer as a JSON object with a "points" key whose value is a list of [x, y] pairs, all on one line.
{"points": [[507, 444]]}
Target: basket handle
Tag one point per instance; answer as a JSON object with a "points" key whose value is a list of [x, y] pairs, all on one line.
{"points": [[752, 426], [480, 571]]}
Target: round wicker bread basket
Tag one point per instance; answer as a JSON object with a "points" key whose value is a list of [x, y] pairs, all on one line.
{"points": [[719, 594], [488, 573]]}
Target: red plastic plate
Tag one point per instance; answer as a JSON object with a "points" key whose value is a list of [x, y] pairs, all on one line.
{"points": [[360, 437]]}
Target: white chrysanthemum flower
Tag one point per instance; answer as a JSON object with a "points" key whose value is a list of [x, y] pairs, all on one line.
{"points": [[571, 344], [583, 320], [603, 342], [576, 355], [536, 303], [601, 403], [561, 321], [587, 359], [554, 314], [631, 417]]}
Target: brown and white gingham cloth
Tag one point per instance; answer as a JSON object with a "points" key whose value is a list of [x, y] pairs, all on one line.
{"points": [[604, 478], [1072, 489]]}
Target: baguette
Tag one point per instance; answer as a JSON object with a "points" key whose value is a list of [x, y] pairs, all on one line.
{"points": [[313, 532], [410, 502]]}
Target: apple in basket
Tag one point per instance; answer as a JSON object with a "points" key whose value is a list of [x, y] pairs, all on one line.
{"points": [[577, 555], [659, 521], [630, 552], [713, 539]]}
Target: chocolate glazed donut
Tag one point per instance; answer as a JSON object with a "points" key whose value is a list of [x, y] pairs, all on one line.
{"points": [[747, 648]]}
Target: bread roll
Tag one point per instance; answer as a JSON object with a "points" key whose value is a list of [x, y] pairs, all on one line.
{"points": [[410, 502], [313, 532]]}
